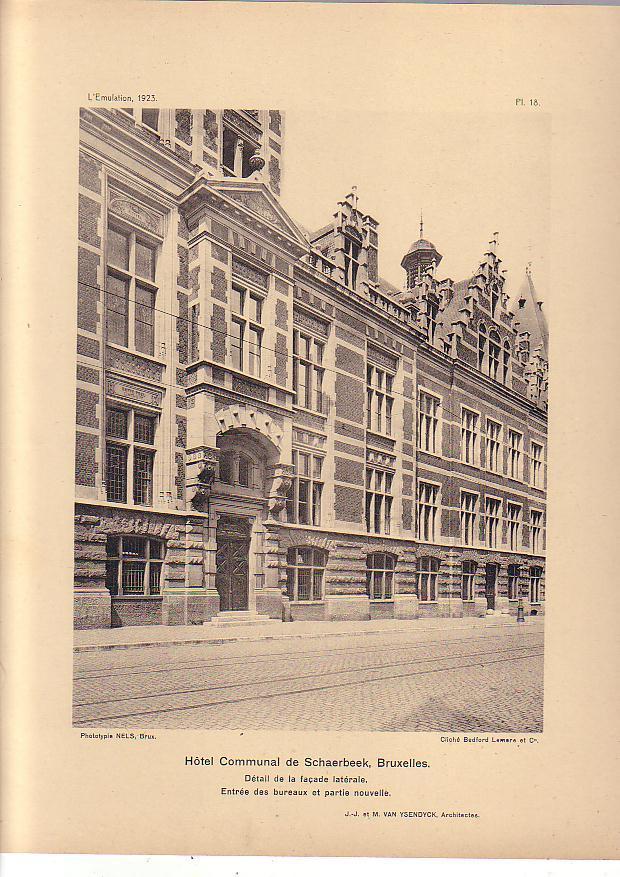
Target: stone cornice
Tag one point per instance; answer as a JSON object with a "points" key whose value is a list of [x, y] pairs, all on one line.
{"points": [[271, 222], [135, 143], [345, 297]]}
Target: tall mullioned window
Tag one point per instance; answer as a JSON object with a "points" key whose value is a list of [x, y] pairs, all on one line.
{"points": [[432, 310], [536, 470], [536, 519], [308, 370], [514, 526], [492, 513], [515, 454], [428, 422], [514, 573], [130, 455], [246, 329], [131, 291], [469, 517], [469, 436], [305, 568], [494, 355], [468, 581], [351, 261], [535, 580], [380, 576], [378, 500], [134, 565], [493, 445], [506, 374], [379, 399], [428, 511], [303, 505], [428, 572]]}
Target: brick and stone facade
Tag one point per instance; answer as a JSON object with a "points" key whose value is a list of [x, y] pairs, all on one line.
{"points": [[262, 423]]}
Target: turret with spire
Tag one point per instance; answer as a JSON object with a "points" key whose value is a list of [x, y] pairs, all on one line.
{"points": [[420, 255]]}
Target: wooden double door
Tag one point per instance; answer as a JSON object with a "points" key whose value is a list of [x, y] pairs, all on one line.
{"points": [[490, 584], [232, 563]]}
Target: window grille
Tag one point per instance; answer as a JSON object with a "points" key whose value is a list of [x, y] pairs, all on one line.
{"points": [[535, 587], [134, 565], [428, 569], [380, 576], [305, 570], [514, 573], [468, 581]]}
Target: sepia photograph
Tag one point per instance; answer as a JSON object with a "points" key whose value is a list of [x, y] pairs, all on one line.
{"points": [[308, 495]]}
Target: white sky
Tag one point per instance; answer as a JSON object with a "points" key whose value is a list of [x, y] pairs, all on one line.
{"points": [[471, 174]]}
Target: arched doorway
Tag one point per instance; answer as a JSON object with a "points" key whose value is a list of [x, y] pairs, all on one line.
{"points": [[238, 502]]}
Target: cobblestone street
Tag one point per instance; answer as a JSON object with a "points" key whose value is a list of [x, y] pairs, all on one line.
{"points": [[487, 679]]}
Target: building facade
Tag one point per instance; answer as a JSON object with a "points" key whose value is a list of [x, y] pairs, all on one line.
{"points": [[264, 425]]}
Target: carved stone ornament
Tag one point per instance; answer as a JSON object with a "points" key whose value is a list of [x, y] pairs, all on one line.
{"points": [[257, 162], [198, 496], [282, 480], [135, 213], [203, 469]]}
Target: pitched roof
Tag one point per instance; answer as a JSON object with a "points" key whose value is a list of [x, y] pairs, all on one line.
{"points": [[530, 315]]}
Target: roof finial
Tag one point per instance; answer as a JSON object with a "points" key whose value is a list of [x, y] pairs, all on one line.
{"points": [[421, 226]]}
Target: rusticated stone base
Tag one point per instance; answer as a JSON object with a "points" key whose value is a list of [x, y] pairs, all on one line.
{"points": [[188, 607], [341, 608], [381, 609], [136, 611], [269, 602], [481, 606], [91, 609], [406, 606], [502, 605]]}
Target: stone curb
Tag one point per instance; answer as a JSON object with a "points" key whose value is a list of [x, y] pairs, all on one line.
{"points": [[106, 647]]}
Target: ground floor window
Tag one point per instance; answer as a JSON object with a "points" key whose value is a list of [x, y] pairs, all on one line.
{"points": [[133, 566], [514, 571], [468, 581], [535, 577], [380, 576], [304, 572], [428, 568]]}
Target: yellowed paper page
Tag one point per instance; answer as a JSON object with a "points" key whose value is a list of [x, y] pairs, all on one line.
{"points": [[308, 543]]}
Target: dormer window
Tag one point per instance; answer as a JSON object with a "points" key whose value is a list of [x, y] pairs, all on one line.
{"points": [[351, 261], [494, 299], [237, 153], [494, 355], [432, 309], [150, 119]]}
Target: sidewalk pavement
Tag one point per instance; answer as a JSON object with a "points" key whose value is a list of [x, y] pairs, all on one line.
{"points": [[158, 635]]}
